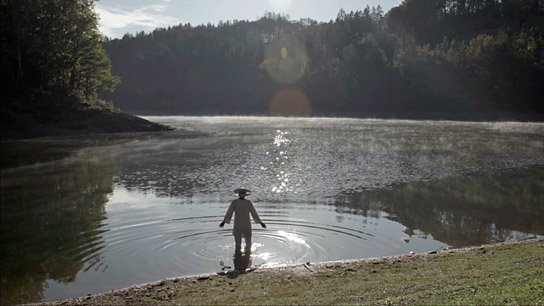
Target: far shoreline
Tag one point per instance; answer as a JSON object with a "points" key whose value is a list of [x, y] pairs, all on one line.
{"points": [[418, 116], [88, 121], [31, 124]]}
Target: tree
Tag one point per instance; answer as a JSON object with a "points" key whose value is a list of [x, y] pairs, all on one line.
{"points": [[425, 58], [54, 45]]}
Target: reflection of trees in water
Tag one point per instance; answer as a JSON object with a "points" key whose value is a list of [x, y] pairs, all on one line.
{"points": [[51, 220], [163, 181], [172, 174], [465, 210]]}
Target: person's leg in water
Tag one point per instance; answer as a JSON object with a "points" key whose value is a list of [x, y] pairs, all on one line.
{"points": [[247, 236], [238, 242]]}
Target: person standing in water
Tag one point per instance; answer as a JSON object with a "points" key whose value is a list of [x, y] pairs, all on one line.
{"points": [[242, 224]]}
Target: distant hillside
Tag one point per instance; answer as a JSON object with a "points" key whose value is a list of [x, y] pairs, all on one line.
{"points": [[424, 56]]}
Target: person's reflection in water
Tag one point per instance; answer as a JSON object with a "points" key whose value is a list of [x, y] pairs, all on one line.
{"points": [[242, 224], [242, 260]]}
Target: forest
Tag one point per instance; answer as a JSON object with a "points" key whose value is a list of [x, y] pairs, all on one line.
{"points": [[423, 56]]}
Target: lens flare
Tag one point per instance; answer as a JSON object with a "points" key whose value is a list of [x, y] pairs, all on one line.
{"points": [[285, 59], [290, 102]]}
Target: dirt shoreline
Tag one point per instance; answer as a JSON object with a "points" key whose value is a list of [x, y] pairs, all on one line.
{"points": [[156, 291], [45, 114]]}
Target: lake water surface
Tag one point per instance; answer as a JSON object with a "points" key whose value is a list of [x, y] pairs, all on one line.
{"points": [[85, 215]]}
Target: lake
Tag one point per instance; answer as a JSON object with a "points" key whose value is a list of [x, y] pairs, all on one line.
{"points": [[83, 215]]}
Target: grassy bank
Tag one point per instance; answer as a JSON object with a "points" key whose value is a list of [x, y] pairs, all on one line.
{"points": [[511, 273]]}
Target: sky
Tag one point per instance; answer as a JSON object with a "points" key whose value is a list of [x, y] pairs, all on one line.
{"points": [[118, 17]]}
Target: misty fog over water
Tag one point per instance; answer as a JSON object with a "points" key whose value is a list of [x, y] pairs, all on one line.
{"points": [[100, 215]]}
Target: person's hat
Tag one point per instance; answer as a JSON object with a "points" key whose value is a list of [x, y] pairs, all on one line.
{"points": [[242, 192]]}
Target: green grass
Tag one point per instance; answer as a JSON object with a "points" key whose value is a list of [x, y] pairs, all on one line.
{"points": [[500, 274]]}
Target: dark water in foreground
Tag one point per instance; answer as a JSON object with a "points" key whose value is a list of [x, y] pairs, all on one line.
{"points": [[105, 213]]}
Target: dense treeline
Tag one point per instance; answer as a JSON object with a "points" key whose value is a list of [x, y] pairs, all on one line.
{"points": [[476, 54], [422, 56], [53, 46]]}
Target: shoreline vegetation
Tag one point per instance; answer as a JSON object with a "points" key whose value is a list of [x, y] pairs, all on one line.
{"points": [[53, 65], [502, 273], [46, 114]]}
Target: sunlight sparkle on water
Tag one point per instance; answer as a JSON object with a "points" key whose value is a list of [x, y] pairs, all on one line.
{"points": [[292, 237], [328, 189]]}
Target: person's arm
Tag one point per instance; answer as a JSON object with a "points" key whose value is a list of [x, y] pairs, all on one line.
{"points": [[228, 215], [255, 215]]}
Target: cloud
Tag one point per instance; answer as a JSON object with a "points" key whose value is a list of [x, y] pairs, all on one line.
{"points": [[115, 20]]}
